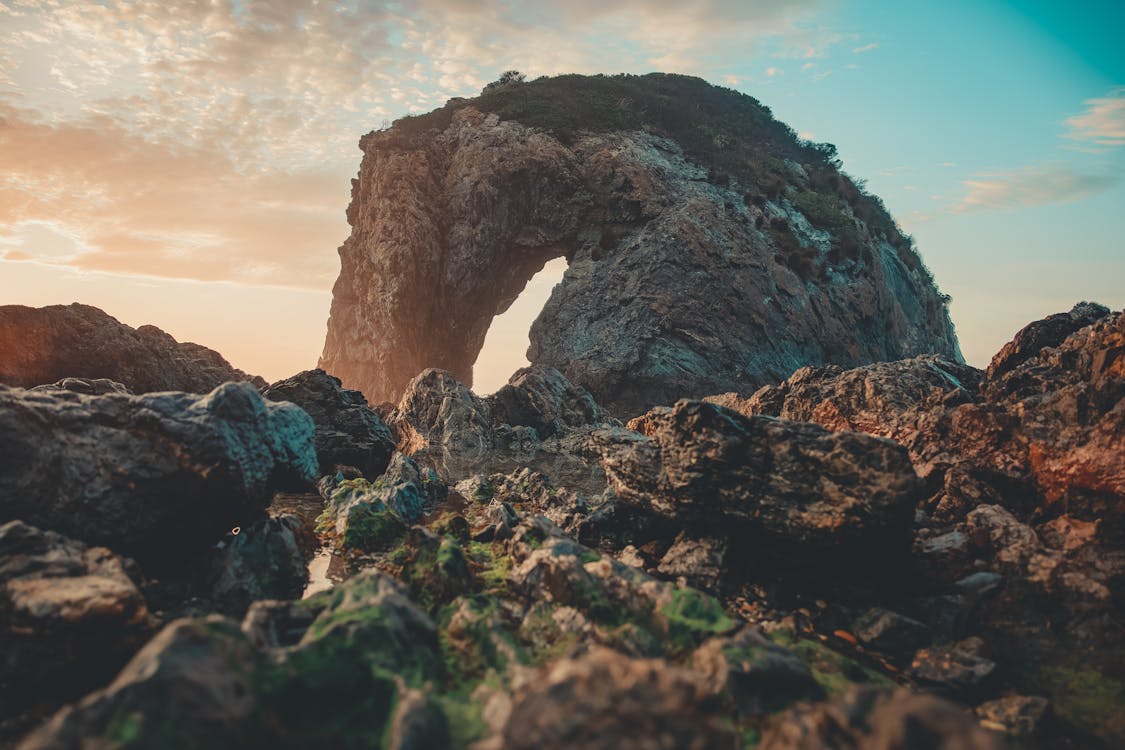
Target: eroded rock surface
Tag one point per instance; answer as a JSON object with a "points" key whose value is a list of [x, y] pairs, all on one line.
{"points": [[150, 475], [683, 279], [40, 345], [348, 431]]}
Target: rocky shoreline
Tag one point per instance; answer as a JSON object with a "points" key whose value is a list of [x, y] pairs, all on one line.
{"points": [[905, 554]]}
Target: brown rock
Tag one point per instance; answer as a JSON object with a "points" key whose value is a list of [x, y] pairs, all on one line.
{"points": [[677, 285], [607, 700], [41, 345]]}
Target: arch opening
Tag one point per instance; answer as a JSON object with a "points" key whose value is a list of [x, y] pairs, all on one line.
{"points": [[508, 337]]}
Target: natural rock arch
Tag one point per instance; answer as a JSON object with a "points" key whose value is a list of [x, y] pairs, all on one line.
{"points": [[679, 283]]}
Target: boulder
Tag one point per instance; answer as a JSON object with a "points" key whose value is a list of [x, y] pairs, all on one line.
{"points": [[704, 466], [152, 475], [348, 432], [607, 700], [46, 344], [70, 617]]}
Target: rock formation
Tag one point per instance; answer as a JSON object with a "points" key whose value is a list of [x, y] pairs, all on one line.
{"points": [[527, 572], [706, 254], [41, 345], [150, 475]]}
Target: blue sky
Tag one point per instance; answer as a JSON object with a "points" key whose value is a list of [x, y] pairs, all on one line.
{"points": [[188, 164]]}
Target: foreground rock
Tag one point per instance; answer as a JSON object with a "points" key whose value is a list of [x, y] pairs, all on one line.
{"points": [[41, 345], [152, 475], [70, 616], [711, 468], [348, 432], [692, 270]]}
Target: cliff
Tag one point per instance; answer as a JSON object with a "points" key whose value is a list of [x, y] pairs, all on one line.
{"points": [[709, 248]]}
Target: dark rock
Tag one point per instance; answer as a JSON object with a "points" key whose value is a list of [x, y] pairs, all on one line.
{"points": [[541, 398], [702, 465], [953, 668], [890, 632], [607, 700], [46, 344], [1016, 715], [759, 675], [699, 562], [150, 475], [190, 686], [348, 432], [869, 719], [70, 617], [418, 724], [676, 286], [263, 561], [273, 624], [87, 386], [1042, 334]]}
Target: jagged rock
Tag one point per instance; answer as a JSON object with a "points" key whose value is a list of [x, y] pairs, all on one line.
{"points": [[879, 399], [543, 399], [88, 386], [46, 344], [677, 285], [444, 425], [70, 617], [700, 562], [348, 432], [701, 465], [190, 686], [957, 669], [149, 475], [607, 700], [868, 719], [263, 561], [1041, 334], [890, 632], [757, 674], [1017, 715]]}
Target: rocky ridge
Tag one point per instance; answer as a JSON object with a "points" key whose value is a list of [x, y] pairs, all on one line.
{"points": [[709, 254]]}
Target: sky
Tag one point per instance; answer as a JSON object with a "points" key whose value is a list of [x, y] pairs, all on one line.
{"points": [[188, 164]]}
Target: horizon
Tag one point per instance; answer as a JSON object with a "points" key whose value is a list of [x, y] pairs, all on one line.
{"points": [[189, 167]]}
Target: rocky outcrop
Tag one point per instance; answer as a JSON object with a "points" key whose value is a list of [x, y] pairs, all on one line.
{"points": [[70, 616], [152, 475], [691, 271], [40, 345], [709, 467], [348, 432]]}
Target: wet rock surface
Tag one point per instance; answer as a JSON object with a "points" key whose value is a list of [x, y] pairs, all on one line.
{"points": [[524, 571], [41, 345], [149, 475]]}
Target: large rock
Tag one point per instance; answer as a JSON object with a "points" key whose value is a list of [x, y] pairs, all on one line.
{"points": [[693, 268], [70, 617], [149, 475], [348, 432], [705, 466], [45, 344], [607, 700], [867, 719]]}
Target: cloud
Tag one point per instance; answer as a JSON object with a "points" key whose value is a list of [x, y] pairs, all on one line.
{"points": [[214, 139], [1103, 122], [131, 206], [774, 71], [865, 48], [1031, 186]]}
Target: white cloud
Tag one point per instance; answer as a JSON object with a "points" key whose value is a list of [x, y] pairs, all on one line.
{"points": [[1103, 122], [774, 71], [1031, 186], [865, 48]]}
